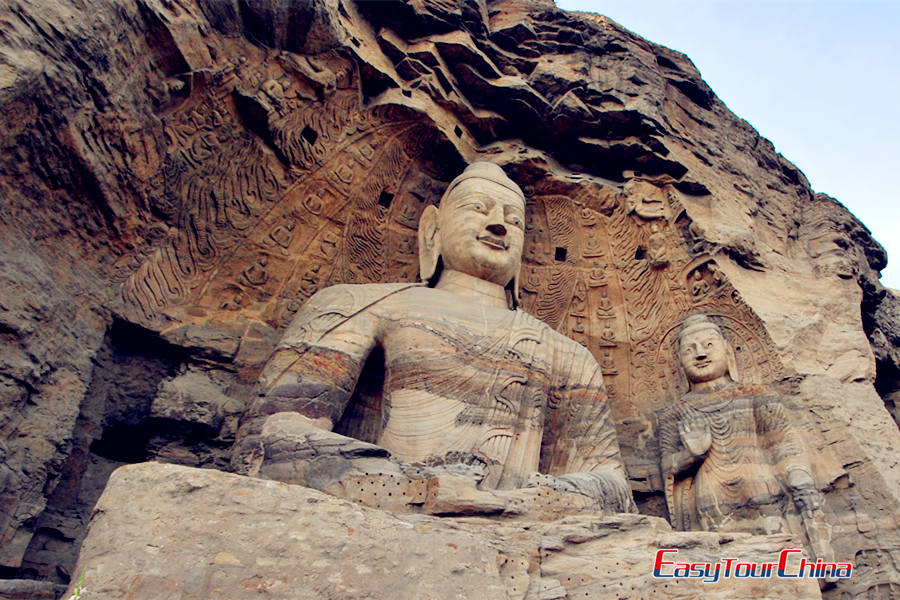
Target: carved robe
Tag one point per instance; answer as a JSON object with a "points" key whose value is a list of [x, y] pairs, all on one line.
{"points": [[742, 476], [463, 383]]}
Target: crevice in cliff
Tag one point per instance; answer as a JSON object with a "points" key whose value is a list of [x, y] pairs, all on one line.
{"points": [[880, 316], [112, 429]]}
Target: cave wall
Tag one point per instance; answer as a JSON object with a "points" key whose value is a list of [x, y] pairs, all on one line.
{"points": [[177, 177]]}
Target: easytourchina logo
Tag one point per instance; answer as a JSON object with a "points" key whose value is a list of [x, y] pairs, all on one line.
{"points": [[790, 565]]}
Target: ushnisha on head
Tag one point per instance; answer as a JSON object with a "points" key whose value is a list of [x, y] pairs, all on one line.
{"points": [[706, 356], [479, 228]]}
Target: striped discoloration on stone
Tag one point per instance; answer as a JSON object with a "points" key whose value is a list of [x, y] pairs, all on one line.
{"points": [[489, 384]]}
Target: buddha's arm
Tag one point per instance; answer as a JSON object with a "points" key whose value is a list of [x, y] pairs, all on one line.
{"points": [[787, 449], [315, 366], [675, 457], [583, 449]]}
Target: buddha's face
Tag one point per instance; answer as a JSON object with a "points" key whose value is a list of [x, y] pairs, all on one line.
{"points": [[703, 355], [482, 229]]}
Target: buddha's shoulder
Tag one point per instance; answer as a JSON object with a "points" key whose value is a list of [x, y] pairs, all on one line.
{"points": [[733, 395], [560, 342], [348, 298]]}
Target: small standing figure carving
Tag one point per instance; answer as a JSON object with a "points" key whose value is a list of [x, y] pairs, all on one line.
{"points": [[730, 456]]}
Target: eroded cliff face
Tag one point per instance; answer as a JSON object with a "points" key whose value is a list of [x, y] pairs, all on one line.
{"points": [[178, 177]]}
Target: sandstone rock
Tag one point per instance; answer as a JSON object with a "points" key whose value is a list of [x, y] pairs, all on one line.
{"points": [[880, 313], [193, 399], [215, 341], [27, 589], [199, 169], [45, 356], [284, 541]]}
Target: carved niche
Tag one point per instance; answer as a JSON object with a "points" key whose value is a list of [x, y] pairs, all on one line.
{"points": [[277, 180]]}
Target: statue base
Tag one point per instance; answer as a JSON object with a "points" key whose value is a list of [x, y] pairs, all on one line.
{"points": [[162, 530]]}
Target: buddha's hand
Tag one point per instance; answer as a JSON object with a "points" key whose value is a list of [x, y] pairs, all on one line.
{"points": [[608, 489], [803, 491], [696, 437], [550, 481]]}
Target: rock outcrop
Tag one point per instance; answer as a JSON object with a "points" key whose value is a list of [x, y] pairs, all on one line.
{"points": [[285, 541], [178, 177]]}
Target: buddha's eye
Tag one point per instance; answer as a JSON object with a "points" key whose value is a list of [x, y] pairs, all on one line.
{"points": [[478, 206], [516, 221]]}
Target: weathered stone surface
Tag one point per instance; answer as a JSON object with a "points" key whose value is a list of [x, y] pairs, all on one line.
{"points": [[468, 381], [194, 171], [170, 531], [28, 589], [193, 399], [47, 343]]}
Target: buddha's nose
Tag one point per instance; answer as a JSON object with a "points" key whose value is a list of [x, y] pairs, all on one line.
{"points": [[497, 229], [700, 355]]}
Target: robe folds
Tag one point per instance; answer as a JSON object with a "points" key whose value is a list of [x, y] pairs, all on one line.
{"points": [[455, 382], [753, 447]]}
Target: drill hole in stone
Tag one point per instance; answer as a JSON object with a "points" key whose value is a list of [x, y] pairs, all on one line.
{"points": [[560, 254]]}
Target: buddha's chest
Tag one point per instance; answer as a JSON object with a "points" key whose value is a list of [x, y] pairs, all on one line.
{"points": [[484, 359], [462, 386], [731, 423]]}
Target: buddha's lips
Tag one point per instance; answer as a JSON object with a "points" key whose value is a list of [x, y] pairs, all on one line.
{"points": [[494, 241]]}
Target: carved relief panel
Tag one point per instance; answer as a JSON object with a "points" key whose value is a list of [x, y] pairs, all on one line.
{"points": [[278, 183], [608, 265]]}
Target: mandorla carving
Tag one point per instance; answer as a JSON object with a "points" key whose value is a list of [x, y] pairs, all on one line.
{"points": [[731, 456]]}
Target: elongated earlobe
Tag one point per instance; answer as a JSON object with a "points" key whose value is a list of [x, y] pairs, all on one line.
{"points": [[429, 243], [732, 362]]}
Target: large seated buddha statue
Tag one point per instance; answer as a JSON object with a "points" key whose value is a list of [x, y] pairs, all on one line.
{"points": [[471, 389]]}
